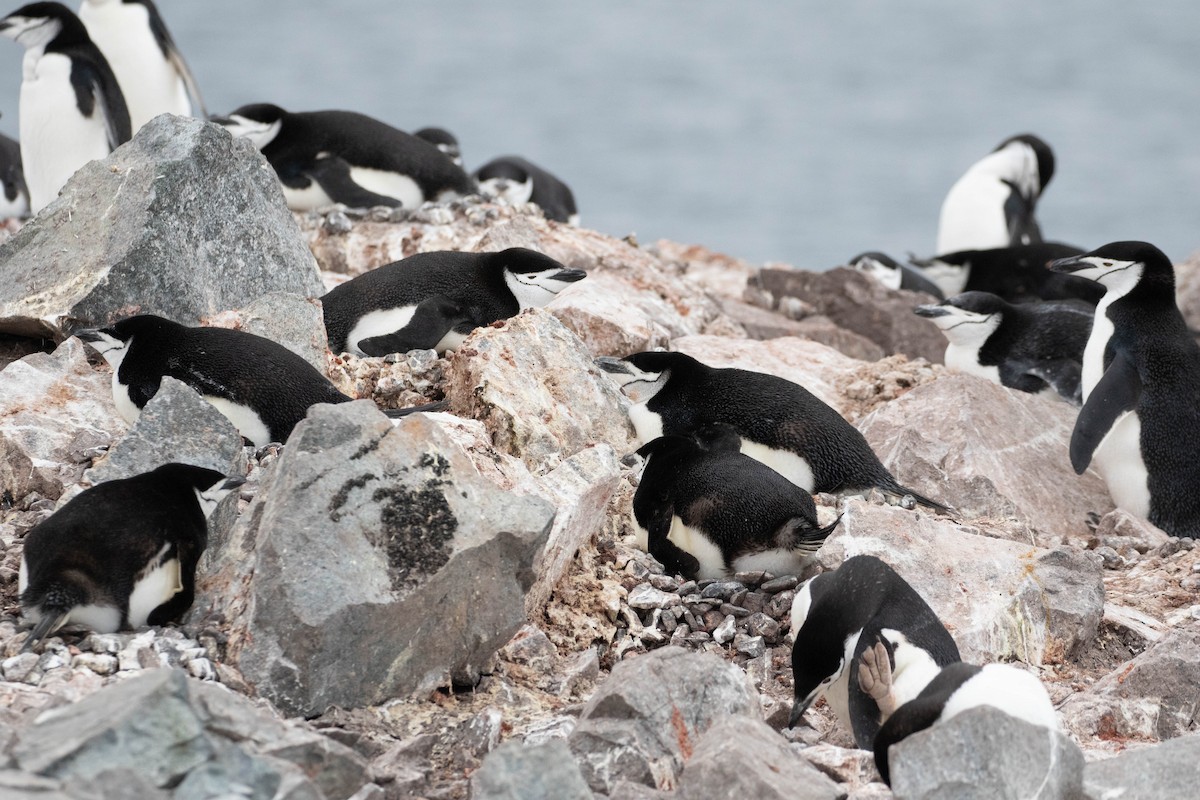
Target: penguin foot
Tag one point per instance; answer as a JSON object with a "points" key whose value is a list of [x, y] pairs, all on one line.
{"points": [[875, 678]]}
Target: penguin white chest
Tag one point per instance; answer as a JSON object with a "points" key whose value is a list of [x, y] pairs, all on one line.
{"points": [[389, 184], [125, 407], [1119, 460], [972, 216], [156, 584], [914, 667], [647, 424], [785, 462], [309, 198], [382, 322], [245, 419], [1093, 352], [966, 359]]}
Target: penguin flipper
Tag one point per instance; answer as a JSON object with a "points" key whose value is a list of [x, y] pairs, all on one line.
{"points": [[675, 560], [432, 319], [1064, 375], [333, 175], [1019, 375], [1117, 392]]}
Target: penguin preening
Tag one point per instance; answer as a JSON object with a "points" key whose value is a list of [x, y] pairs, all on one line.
{"points": [[780, 423], [837, 617], [1140, 421], [433, 300], [1018, 273], [327, 157], [1030, 347], [893, 274], [992, 204], [14, 196], [706, 510], [519, 181], [122, 554], [71, 109], [263, 388]]}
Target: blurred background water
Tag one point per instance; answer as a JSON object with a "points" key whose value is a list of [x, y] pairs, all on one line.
{"points": [[802, 132]]}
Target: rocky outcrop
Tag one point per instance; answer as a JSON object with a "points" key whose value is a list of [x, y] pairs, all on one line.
{"points": [[292, 320], [182, 221], [1150, 773], [517, 772]]}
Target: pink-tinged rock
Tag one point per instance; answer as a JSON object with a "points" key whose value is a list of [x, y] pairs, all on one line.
{"points": [[615, 319]]}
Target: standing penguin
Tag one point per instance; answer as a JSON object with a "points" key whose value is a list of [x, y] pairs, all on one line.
{"points": [[327, 157], [1140, 420], [1018, 273], [992, 204], [433, 300], [855, 625], [705, 510], [122, 554], [1030, 347], [781, 424], [153, 75], [72, 110], [14, 197], [263, 388], [520, 181], [893, 274]]}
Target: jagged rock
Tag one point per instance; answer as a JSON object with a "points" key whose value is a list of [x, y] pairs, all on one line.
{"points": [[742, 757], [517, 772], [643, 722], [176, 425], [849, 766], [984, 754], [56, 409], [614, 318], [533, 384], [182, 221], [627, 790], [293, 320], [171, 730], [374, 546], [861, 304], [1151, 773], [1152, 697], [1000, 600], [988, 451], [1126, 533]]}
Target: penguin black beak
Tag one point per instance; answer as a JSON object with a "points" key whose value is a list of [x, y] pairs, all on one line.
{"points": [[798, 709], [232, 483], [1068, 264], [219, 120], [569, 275], [616, 366], [88, 335], [631, 459], [930, 311]]}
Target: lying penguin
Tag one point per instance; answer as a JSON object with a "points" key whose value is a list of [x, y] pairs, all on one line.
{"points": [[705, 510], [122, 554], [1030, 347], [894, 275], [837, 617], [433, 300], [1019, 274], [520, 181]]}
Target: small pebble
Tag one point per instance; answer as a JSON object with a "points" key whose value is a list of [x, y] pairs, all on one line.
{"points": [[99, 663], [780, 584], [726, 630], [686, 588], [752, 646], [729, 609], [645, 596]]}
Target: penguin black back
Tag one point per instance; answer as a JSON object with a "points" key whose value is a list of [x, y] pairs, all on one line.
{"points": [[1018, 273], [541, 187], [14, 196]]}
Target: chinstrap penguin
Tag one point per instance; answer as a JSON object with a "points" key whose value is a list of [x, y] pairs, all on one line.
{"points": [[992, 204], [327, 157], [1140, 421], [781, 424], [433, 300], [959, 687], [706, 510], [866, 641], [263, 388], [1029, 347], [153, 75], [1018, 274], [122, 554], [14, 197], [893, 274], [443, 140], [71, 109], [519, 181]]}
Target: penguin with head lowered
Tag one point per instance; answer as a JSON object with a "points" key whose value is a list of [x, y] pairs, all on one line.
{"points": [[14, 196], [893, 274], [122, 554], [780, 423], [327, 157], [855, 625], [1140, 421], [1018, 273], [705, 510], [433, 300], [443, 140], [957, 688], [263, 388], [72, 110], [520, 181], [1029, 347], [992, 204]]}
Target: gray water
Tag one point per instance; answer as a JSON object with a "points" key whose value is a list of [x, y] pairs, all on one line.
{"points": [[796, 132]]}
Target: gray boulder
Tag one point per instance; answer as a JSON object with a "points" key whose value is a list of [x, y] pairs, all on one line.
{"points": [[642, 723], [517, 772], [375, 561], [984, 754], [293, 320], [1170, 769], [182, 221]]}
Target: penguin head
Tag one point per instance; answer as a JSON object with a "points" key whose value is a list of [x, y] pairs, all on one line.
{"points": [[444, 141], [643, 375], [114, 341], [532, 277], [1120, 266], [1036, 154], [967, 318], [260, 123], [505, 178], [819, 656], [879, 266], [36, 24]]}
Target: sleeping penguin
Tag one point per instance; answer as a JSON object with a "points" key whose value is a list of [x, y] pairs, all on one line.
{"points": [[893, 274], [1018, 273], [122, 554], [705, 510], [520, 181]]}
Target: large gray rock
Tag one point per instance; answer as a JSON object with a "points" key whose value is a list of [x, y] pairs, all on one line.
{"points": [[999, 599], [988, 451], [644, 721], [1170, 769], [743, 757], [984, 754], [182, 221], [374, 562], [294, 321], [171, 730], [516, 772]]}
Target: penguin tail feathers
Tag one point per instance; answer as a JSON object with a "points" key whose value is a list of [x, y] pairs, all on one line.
{"points": [[795, 534], [895, 488], [51, 620], [397, 413]]}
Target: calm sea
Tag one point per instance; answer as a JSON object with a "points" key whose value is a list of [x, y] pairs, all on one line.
{"points": [[795, 132]]}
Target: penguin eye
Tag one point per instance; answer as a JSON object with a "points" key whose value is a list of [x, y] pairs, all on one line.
{"points": [[1108, 263]]}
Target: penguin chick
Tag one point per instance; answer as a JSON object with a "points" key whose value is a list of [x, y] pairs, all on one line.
{"points": [[705, 510], [122, 554]]}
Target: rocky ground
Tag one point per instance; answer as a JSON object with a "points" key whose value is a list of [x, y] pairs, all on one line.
{"points": [[520, 645]]}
